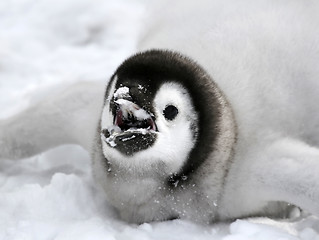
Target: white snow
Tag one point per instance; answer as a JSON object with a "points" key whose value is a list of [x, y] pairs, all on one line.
{"points": [[129, 138], [110, 140], [122, 91], [114, 132], [53, 195], [130, 108]]}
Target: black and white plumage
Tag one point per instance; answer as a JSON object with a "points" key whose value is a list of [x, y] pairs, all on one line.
{"points": [[231, 135], [163, 160]]}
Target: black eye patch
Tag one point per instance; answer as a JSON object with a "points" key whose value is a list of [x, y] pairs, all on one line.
{"points": [[170, 112]]}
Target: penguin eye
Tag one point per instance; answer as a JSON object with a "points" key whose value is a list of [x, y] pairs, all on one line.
{"points": [[170, 112]]}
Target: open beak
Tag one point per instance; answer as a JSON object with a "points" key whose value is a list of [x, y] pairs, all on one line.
{"points": [[130, 117]]}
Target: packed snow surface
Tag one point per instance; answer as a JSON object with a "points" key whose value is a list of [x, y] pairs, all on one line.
{"points": [[53, 195]]}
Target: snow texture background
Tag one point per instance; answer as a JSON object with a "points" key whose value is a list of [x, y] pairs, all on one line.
{"points": [[53, 195]]}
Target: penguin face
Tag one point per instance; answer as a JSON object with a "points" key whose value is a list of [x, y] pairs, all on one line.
{"points": [[141, 128], [161, 115]]}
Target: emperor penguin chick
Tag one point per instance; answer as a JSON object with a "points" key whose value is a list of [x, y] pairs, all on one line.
{"points": [[165, 139], [169, 145]]}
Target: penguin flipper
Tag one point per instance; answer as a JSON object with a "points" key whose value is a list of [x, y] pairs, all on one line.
{"points": [[288, 171], [67, 117]]}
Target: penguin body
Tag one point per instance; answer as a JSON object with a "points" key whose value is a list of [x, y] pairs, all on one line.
{"points": [[187, 121]]}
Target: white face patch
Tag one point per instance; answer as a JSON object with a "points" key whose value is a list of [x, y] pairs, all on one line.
{"points": [[175, 137]]}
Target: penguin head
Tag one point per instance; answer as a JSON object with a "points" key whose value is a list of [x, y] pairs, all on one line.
{"points": [[160, 115]]}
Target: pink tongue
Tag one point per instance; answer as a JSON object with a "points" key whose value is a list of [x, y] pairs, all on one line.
{"points": [[119, 118], [152, 124]]}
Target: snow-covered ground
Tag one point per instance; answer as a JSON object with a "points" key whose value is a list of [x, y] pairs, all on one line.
{"points": [[53, 195]]}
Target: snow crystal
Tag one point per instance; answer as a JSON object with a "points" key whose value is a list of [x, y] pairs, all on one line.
{"points": [[110, 140], [140, 130], [129, 138], [184, 178], [114, 131], [122, 91], [129, 107]]}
